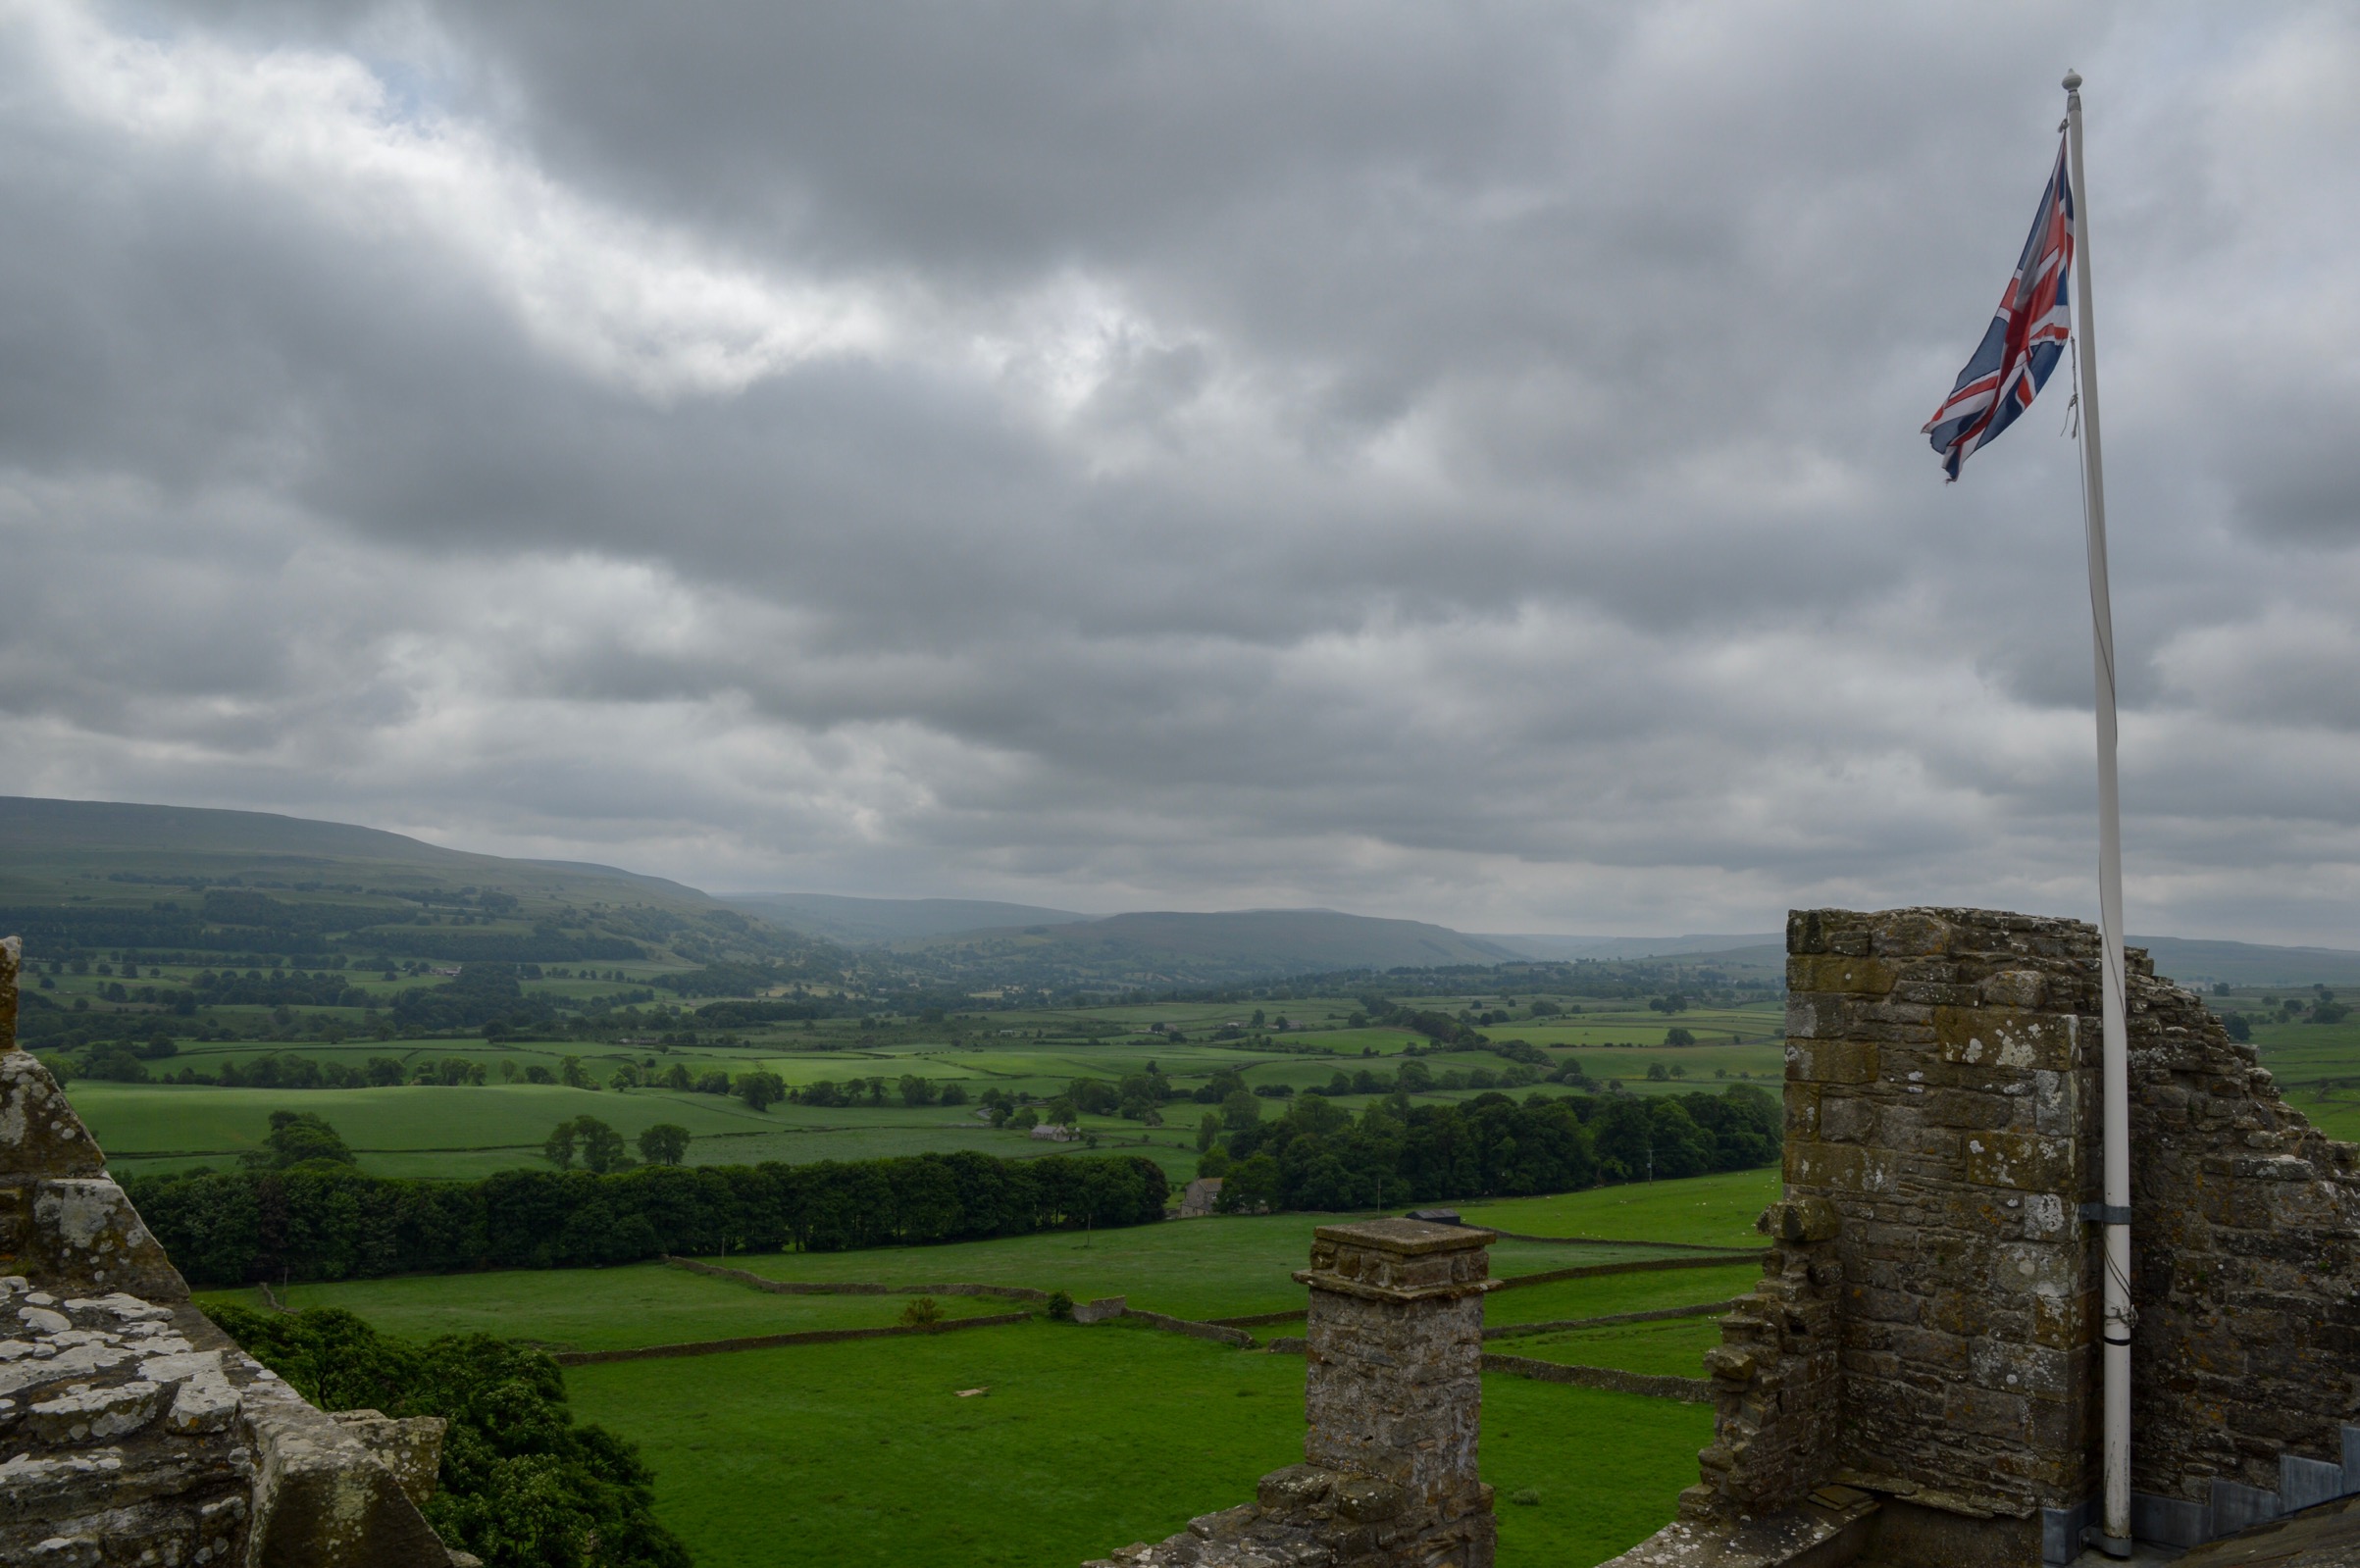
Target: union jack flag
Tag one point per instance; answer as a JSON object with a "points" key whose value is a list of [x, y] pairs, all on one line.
{"points": [[2026, 339]]}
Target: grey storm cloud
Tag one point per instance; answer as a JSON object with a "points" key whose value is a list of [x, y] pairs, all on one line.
{"points": [[1448, 462]]}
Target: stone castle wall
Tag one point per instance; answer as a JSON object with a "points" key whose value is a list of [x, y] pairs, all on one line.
{"points": [[1941, 1099], [2245, 1271], [1924, 1334]]}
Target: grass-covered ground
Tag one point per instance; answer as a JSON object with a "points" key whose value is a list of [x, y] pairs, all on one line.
{"points": [[1670, 1348], [424, 1129], [1610, 1293], [1197, 1268], [1088, 1440], [1227, 1266], [1701, 1210]]}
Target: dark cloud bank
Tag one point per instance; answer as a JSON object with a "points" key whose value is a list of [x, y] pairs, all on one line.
{"points": [[1456, 461]]}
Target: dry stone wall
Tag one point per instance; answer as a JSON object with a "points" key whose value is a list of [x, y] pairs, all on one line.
{"points": [[131, 1430]]}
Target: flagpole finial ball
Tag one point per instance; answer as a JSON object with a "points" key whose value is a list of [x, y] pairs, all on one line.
{"points": [[2073, 79]]}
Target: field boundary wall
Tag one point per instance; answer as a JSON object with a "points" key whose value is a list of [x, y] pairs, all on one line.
{"points": [[1593, 1271], [1688, 1391], [1219, 1334], [1736, 1254], [1702, 1309], [1006, 1293], [771, 1342]]}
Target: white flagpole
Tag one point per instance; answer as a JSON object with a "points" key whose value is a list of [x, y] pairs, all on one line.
{"points": [[2114, 1060]]}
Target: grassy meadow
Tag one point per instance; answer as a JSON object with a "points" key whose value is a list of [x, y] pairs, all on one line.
{"points": [[628, 1307], [1085, 1439]]}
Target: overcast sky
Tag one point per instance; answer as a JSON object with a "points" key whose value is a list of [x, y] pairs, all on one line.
{"points": [[1457, 460]]}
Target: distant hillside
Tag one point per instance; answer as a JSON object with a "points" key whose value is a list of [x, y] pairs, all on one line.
{"points": [[2196, 962], [1567, 947], [2188, 960], [875, 922], [1170, 948], [101, 875]]}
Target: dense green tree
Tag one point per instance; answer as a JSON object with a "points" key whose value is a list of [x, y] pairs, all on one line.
{"points": [[601, 1145], [522, 1485], [296, 1137], [558, 1148], [664, 1144], [760, 1089]]}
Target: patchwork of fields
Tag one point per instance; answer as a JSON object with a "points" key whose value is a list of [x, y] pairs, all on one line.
{"points": [[458, 1130], [1086, 1439]]}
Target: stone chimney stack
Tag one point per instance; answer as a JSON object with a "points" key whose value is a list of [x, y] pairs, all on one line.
{"points": [[1395, 1389], [1394, 1394]]}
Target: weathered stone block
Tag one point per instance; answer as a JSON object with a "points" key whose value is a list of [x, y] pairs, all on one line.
{"points": [[2023, 1163], [1910, 934], [1801, 1219], [1847, 1118], [2012, 989], [2003, 1038], [1841, 1168], [1836, 972], [1831, 1061]]}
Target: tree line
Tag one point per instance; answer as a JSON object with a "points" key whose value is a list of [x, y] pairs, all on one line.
{"points": [[1318, 1157], [321, 1219]]}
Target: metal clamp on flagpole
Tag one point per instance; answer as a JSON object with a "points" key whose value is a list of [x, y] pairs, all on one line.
{"points": [[2114, 1213]]}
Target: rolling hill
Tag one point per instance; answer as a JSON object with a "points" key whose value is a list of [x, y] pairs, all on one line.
{"points": [[86, 874], [1174, 948], [875, 922], [108, 873]]}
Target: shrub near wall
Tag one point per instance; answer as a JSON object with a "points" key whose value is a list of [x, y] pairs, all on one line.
{"points": [[324, 1222]]}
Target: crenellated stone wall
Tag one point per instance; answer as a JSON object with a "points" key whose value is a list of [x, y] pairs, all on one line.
{"points": [[137, 1433]]}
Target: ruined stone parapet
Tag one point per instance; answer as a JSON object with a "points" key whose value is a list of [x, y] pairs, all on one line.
{"points": [[1777, 1386], [136, 1432], [1942, 1091], [2245, 1274], [1393, 1393]]}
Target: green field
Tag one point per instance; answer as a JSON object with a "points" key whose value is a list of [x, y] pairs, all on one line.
{"points": [[598, 1309], [1230, 1265], [1702, 1210], [1670, 1347], [1088, 1440], [1610, 1293], [424, 1129]]}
